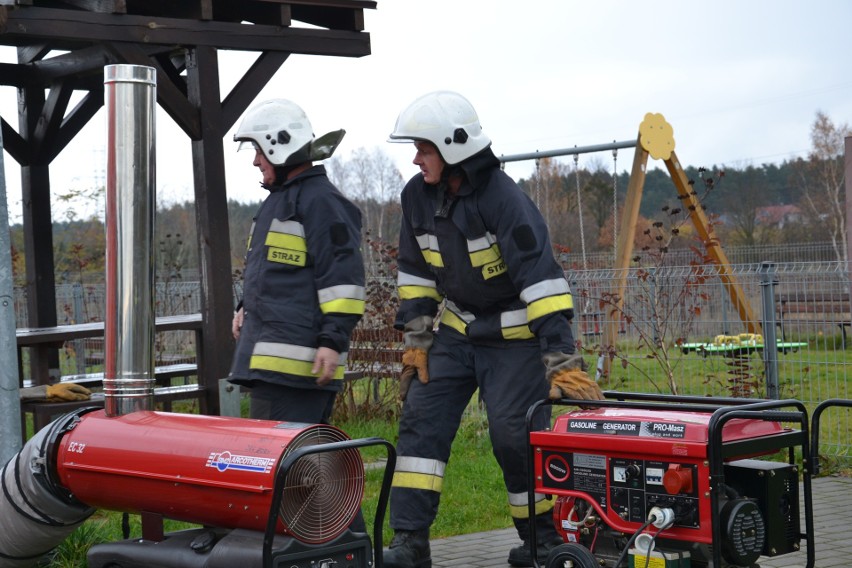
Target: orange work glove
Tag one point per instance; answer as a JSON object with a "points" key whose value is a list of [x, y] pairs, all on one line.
{"points": [[65, 392], [574, 383], [568, 379], [414, 364]]}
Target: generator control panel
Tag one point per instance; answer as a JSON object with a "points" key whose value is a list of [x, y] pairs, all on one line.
{"points": [[627, 487]]}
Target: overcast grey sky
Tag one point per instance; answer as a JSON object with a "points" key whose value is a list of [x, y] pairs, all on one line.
{"points": [[740, 81]]}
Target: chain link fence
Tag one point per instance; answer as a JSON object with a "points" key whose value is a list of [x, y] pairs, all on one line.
{"points": [[678, 330]]}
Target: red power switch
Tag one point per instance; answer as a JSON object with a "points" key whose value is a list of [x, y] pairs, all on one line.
{"points": [[677, 479]]}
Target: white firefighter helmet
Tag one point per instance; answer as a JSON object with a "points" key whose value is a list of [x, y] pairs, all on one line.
{"points": [[282, 131], [447, 120]]}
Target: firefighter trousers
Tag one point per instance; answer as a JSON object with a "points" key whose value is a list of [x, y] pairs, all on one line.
{"points": [[510, 377]]}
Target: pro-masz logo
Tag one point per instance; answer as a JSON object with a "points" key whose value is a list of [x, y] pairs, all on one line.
{"points": [[226, 460]]}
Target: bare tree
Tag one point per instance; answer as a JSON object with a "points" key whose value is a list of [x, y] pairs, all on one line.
{"points": [[372, 180], [548, 190], [338, 172], [822, 180], [598, 193], [388, 184]]}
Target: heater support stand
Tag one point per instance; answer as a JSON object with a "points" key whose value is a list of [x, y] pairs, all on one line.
{"points": [[152, 527]]}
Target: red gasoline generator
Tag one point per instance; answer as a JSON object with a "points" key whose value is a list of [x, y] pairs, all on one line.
{"points": [[662, 481]]}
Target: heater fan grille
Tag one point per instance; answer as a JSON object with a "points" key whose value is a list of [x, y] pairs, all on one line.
{"points": [[322, 491]]}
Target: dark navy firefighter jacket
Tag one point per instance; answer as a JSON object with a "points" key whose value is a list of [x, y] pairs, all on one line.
{"points": [[486, 251], [303, 283]]}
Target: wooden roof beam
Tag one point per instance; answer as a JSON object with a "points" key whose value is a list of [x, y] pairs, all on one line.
{"points": [[249, 86], [22, 27], [15, 144], [76, 119], [49, 120], [170, 95]]}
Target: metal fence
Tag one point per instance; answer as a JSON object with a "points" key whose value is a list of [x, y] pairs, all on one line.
{"points": [[677, 330], [801, 252]]}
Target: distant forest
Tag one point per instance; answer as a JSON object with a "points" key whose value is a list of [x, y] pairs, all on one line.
{"points": [[798, 201]]}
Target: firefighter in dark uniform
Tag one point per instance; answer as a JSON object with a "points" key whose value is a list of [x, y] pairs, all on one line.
{"points": [[303, 290], [474, 244]]}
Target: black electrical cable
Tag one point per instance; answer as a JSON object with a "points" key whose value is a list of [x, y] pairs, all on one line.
{"points": [[630, 542], [653, 539]]}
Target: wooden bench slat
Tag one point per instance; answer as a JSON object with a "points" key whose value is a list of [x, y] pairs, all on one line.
{"points": [[814, 308]]}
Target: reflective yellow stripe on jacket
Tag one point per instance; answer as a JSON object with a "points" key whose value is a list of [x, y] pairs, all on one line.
{"points": [[485, 253], [513, 323], [547, 297], [456, 318], [290, 359], [411, 287], [286, 242], [342, 299], [431, 252]]}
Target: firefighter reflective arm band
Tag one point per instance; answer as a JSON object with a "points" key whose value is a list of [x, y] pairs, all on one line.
{"points": [[547, 297], [342, 299], [411, 288], [513, 325]]}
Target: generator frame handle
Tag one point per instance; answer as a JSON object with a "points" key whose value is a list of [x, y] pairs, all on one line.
{"points": [[716, 452], [815, 421], [723, 409], [296, 455], [703, 401]]}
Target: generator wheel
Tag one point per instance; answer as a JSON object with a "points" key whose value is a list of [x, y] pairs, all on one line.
{"points": [[571, 555]]}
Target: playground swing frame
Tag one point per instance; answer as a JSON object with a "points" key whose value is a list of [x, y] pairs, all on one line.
{"points": [[655, 139]]}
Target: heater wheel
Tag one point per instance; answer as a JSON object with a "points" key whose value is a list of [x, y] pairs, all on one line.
{"points": [[571, 555]]}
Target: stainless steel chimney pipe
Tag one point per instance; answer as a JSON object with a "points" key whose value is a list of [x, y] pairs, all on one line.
{"points": [[130, 101]]}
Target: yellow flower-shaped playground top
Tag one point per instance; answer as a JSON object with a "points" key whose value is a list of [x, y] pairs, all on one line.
{"points": [[656, 136]]}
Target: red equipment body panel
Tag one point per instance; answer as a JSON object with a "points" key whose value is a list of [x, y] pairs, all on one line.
{"points": [[210, 470], [624, 461]]}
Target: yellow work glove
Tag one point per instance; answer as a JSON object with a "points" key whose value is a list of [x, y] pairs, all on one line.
{"points": [[66, 392], [568, 379], [414, 364]]}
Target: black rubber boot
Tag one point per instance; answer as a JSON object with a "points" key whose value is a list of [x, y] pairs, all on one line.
{"points": [[408, 549], [545, 534]]}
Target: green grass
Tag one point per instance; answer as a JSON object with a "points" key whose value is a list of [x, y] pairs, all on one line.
{"points": [[103, 526]]}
